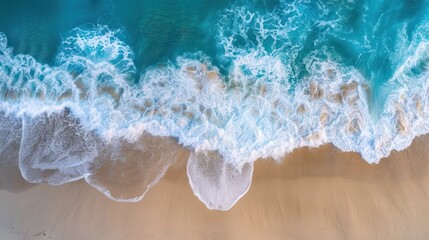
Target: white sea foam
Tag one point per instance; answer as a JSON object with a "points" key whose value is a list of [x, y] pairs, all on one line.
{"points": [[10, 138], [55, 149], [85, 118], [217, 183]]}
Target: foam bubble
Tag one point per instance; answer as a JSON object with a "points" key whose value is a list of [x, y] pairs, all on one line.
{"points": [[218, 184], [97, 45], [55, 149]]}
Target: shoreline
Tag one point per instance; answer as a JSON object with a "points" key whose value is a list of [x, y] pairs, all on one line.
{"points": [[311, 194]]}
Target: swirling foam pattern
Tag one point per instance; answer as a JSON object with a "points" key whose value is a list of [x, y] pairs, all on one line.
{"points": [[300, 74]]}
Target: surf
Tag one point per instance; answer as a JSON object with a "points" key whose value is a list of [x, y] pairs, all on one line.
{"points": [[298, 74]]}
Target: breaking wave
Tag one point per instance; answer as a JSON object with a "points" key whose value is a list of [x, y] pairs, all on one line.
{"points": [[94, 115]]}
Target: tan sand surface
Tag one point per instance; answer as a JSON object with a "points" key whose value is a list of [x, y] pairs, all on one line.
{"points": [[313, 194]]}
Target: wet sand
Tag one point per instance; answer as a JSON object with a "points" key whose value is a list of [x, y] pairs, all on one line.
{"points": [[313, 194]]}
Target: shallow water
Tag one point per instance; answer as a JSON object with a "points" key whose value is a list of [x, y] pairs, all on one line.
{"points": [[232, 81]]}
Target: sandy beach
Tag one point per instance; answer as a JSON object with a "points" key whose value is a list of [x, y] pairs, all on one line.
{"points": [[135, 119], [313, 194]]}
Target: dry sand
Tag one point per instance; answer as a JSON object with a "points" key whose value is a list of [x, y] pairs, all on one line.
{"points": [[313, 194]]}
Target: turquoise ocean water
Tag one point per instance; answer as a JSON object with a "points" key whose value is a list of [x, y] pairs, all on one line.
{"points": [[84, 83]]}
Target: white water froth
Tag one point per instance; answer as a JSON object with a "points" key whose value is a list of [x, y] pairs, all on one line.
{"points": [[84, 118], [217, 183], [55, 149]]}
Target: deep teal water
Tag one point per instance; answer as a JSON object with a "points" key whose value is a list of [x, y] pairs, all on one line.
{"points": [[156, 30], [367, 34]]}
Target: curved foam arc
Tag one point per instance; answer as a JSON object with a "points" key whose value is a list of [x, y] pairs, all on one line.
{"points": [[82, 82], [10, 141], [55, 149], [128, 170], [218, 184]]}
